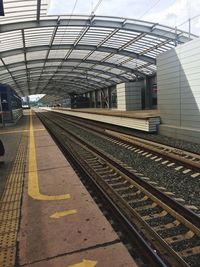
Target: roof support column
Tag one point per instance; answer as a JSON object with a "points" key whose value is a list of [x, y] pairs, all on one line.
{"points": [[109, 97], [146, 94], [149, 99], [104, 98], [95, 99]]}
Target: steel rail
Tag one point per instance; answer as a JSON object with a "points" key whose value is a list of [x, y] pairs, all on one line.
{"points": [[168, 152]]}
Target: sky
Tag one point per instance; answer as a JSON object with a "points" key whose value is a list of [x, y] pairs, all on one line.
{"points": [[34, 97], [167, 12]]}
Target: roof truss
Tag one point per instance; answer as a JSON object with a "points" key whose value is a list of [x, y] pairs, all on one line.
{"points": [[41, 53]]}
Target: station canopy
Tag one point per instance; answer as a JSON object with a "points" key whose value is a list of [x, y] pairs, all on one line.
{"points": [[58, 55]]}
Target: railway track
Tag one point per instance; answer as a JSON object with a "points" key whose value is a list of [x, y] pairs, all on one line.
{"points": [[175, 163], [186, 161], [169, 228], [186, 176]]}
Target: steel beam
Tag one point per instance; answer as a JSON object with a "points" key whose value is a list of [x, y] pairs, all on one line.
{"points": [[79, 47], [107, 64], [65, 70], [157, 30]]}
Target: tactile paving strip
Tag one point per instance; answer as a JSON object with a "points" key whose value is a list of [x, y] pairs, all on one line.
{"points": [[10, 205]]}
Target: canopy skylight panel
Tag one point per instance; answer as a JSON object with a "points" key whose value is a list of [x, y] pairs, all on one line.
{"points": [[47, 47], [78, 54], [55, 53], [36, 55], [10, 41], [38, 36], [13, 59]]}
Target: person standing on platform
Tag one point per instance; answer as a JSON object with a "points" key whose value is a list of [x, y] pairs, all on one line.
{"points": [[2, 152]]}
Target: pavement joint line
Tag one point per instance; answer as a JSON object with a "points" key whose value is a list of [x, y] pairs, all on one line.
{"points": [[21, 131], [53, 145], [47, 169], [106, 244]]}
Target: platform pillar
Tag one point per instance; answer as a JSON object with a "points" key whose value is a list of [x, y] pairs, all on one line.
{"points": [[129, 96], [93, 99], [109, 97]]}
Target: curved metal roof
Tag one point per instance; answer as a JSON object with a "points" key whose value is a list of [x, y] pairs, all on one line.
{"points": [[60, 54]]}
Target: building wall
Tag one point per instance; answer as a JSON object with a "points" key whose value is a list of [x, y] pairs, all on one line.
{"points": [[129, 95], [178, 77]]}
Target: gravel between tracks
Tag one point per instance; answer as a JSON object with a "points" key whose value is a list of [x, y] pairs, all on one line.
{"points": [[182, 185]]}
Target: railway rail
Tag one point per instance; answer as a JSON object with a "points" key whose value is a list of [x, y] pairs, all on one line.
{"points": [[179, 175], [169, 228], [171, 155]]}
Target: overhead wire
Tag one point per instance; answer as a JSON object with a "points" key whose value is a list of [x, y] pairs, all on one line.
{"points": [[92, 14], [72, 11], [96, 7], [149, 9], [188, 19], [71, 14]]}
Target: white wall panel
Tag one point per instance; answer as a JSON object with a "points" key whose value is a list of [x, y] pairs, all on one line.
{"points": [[178, 76], [129, 96]]}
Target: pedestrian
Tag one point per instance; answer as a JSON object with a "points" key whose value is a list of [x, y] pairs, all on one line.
{"points": [[2, 152]]}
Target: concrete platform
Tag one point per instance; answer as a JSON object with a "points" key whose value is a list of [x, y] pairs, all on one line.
{"points": [[60, 224], [144, 120], [137, 114]]}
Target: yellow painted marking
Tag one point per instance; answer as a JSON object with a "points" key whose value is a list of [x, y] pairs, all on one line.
{"points": [[60, 214], [84, 263], [21, 131], [33, 185]]}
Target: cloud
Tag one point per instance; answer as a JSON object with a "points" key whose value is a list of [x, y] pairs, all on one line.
{"points": [[125, 8], [169, 12], [178, 14]]}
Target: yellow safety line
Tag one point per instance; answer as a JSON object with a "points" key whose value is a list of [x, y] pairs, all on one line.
{"points": [[84, 263], [21, 131], [33, 185]]}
